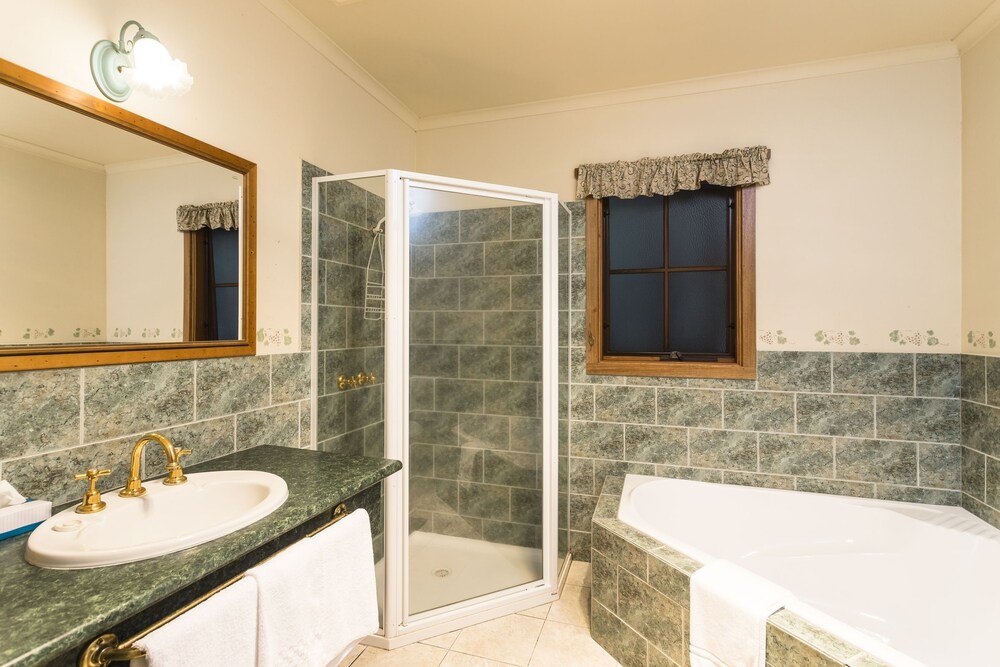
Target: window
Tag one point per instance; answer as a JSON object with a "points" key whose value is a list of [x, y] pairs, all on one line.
{"points": [[212, 288], [670, 284]]}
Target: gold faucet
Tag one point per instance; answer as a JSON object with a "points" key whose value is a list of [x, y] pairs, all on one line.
{"points": [[175, 474]]}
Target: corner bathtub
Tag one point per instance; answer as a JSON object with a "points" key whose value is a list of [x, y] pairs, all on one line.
{"points": [[910, 584]]}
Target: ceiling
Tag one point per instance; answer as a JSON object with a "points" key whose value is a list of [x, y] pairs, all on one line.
{"points": [[449, 56]]}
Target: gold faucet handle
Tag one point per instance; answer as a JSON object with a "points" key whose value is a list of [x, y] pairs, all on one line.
{"points": [[175, 473], [91, 497]]}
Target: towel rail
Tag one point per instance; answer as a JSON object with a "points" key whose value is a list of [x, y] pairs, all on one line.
{"points": [[104, 650]]}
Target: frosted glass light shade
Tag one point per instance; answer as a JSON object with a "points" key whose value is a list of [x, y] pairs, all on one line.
{"points": [[154, 72]]}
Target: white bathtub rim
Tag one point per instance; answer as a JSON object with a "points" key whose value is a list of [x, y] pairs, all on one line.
{"points": [[864, 642]]}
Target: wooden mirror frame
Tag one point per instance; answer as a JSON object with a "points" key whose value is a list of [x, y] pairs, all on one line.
{"points": [[101, 354]]}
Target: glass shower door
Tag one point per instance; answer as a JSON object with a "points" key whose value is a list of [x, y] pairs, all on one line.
{"points": [[475, 363]]}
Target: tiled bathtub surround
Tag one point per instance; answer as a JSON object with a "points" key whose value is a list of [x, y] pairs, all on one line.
{"points": [[475, 365], [349, 421], [640, 603], [863, 424], [981, 437], [56, 423]]}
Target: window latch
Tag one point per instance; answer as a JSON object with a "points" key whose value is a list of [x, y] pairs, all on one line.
{"points": [[673, 356]]}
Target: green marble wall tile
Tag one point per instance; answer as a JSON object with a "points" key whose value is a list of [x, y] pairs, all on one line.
{"points": [[351, 443], [429, 228], [457, 526], [794, 371], [434, 428], [122, 400], [925, 419], [652, 614], [310, 171], [526, 293], [437, 361], [656, 444], [511, 258], [486, 224], [728, 450], [332, 237], [992, 496], [526, 506], [810, 456], [422, 461], [484, 431], [517, 399], [940, 465], [484, 362], [344, 284], [305, 294], [422, 326], [510, 327], [993, 381], [980, 424], [49, 476], [485, 501], [278, 425], [517, 534], [877, 461], [914, 494], [873, 373], [579, 544], [39, 411], [345, 201], [835, 487], [974, 378], [939, 375], [581, 475], [604, 580], [626, 555], [458, 395], [289, 377], [581, 511], [458, 327], [622, 642], [973, 473], [822, 414], [526, 221], [526, 364], [422, 261], [492, 293], [362, 332], [689, 407], [526, 435], [434, 293], [636, 405], [598, 440], [511, 469], [363, 406], [458, 260], [669, 579], [331, 420], [759, 411], [434, 495], [784, 650], [696, 474], [359, 244], [758, 480], [581, 402], [332, 327]]}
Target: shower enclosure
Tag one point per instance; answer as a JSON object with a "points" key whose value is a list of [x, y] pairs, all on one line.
{"points": [[435, 329]]}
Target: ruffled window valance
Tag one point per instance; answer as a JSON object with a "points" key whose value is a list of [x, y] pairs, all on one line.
{"points": [[217, 215], [666, 175]]}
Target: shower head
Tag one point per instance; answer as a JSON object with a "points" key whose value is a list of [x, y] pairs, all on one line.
{"points": [[379, 228]]}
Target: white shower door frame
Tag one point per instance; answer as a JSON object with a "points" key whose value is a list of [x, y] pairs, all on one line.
{"points": [[400, 627]]}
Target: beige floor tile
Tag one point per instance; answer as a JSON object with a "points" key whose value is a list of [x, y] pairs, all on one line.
{"points": [[454, 659], [414, 655], [572, 607], [352, 656], [540, 611], [579, 574], [442, 641], [564, 645], [508, 639]]}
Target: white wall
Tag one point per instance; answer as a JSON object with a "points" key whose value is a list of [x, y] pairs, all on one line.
{"points": [[859, 230], [145, 250], [980, 185], [51, 250], [260, 92]]}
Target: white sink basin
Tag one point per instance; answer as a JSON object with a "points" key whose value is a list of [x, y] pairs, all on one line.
{"points": [[164, 520]]}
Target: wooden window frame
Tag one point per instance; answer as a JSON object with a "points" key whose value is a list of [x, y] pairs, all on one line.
{"points": [[745, 364]]}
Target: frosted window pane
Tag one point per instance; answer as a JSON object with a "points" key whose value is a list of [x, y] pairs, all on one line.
{"points": [[699, 312], [636, 313], [699, 224], [635, 233]]}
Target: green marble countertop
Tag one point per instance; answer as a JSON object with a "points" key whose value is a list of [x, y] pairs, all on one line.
{"points": [[48, 612]]}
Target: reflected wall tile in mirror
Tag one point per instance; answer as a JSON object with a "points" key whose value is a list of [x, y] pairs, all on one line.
{"points": [[39, 411], [123, 400]]}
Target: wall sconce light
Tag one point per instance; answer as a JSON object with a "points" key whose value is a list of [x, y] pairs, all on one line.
{"points": [[141, 63]]}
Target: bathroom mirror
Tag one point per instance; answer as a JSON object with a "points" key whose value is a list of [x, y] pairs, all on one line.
{"points": [[123, 241]]}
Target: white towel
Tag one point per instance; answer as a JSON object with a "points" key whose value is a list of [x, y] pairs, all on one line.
{"points": [[222, 630], [317, 598], [729, 610]]}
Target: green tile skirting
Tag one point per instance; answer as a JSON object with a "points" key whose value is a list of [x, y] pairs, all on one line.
{"points": [[50, 612], [640, 601]]}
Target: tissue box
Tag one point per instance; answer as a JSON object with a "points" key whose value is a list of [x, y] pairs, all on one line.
{"points": [[22, 518]]}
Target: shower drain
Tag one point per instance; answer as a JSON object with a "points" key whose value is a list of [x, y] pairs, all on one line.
{"points": [[443, 572]]}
